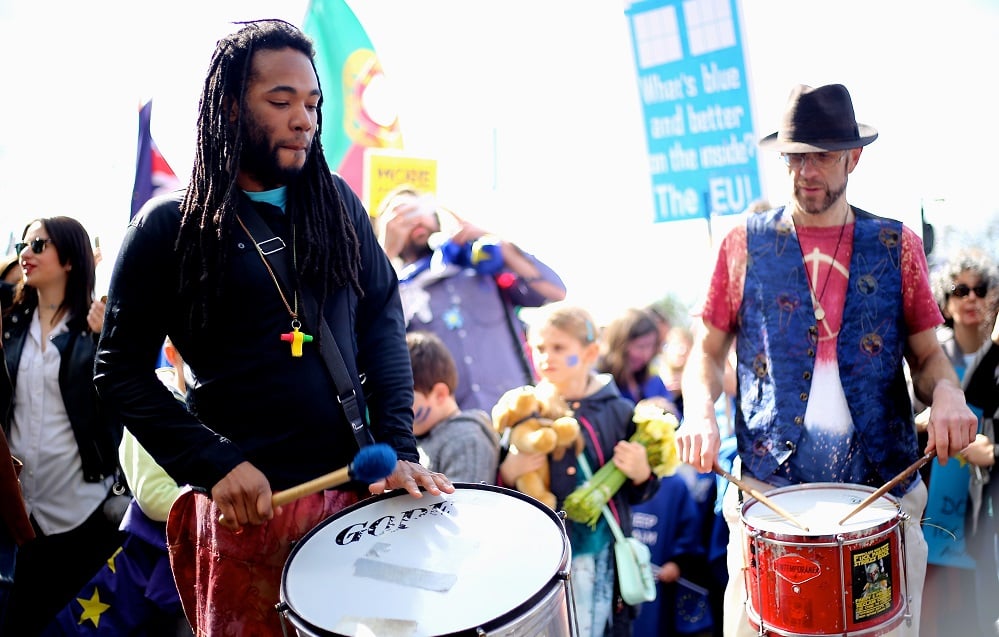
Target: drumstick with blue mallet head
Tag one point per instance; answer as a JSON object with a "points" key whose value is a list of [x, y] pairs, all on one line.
{"points": [[371, 464], [762, 499], [915, 466]]}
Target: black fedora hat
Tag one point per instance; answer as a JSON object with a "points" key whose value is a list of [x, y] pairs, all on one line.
{"points": [[819, 119]]}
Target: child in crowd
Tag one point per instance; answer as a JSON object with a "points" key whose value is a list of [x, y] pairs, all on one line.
{"points": [[670, 524], [631, 344], [565, 350], [458, 443], [134, 592]]}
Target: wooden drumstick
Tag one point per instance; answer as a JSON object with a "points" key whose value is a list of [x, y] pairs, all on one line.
{"points": [[915, 466], [372, 463], [764, 500]]}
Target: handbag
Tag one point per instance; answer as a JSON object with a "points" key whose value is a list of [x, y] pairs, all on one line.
{"points": [[631, 556]]}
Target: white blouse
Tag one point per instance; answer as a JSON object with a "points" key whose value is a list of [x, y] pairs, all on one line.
{"points": [[55, 493]]}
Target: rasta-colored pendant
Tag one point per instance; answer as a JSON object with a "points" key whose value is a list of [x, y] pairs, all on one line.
{"points": [[296, 338]]}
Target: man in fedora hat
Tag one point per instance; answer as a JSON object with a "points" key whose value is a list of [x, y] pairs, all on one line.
{"points": [[824, 315]]}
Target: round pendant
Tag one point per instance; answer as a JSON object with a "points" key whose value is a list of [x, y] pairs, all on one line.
{"points": [[820, 314]]}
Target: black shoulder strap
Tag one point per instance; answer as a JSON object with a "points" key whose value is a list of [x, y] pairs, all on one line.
{"points": [[346, 394]]}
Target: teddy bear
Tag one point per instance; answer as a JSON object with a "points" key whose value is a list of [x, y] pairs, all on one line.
{"points": [[537, 423]]}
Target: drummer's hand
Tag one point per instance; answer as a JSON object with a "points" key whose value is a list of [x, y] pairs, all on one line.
{"points": [[698, 442], [243, 497], [952, 425], [411, 476]]}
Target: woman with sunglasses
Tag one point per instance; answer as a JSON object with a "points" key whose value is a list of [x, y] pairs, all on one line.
{"points": [[53, 421], [964, 287]]}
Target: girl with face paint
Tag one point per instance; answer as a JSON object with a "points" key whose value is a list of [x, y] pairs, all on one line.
{"points": [[565, 348]]}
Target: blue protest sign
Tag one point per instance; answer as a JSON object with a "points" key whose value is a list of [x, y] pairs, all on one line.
{"points": [[691, 69]]}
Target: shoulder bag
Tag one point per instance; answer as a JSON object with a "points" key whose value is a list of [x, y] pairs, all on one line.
{"points": [[631, 556]]}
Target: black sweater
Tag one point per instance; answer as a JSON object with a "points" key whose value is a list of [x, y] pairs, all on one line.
{"points": [[252, 400]]}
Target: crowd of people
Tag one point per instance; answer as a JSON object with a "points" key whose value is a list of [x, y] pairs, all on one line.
{"points": [[831, 356]]}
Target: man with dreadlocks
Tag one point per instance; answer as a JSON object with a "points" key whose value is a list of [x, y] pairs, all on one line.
{"points": [[240, 270]]}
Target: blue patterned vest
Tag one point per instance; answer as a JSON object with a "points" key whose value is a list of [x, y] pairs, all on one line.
{"points": [[777, 341]]}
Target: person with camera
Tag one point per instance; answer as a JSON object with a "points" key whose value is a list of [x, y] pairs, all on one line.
{"points": [[465, 285]]}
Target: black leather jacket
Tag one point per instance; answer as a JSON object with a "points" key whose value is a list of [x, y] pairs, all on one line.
{"points": [[97, 433]]}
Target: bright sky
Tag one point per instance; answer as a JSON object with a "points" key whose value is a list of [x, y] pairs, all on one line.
{"points": [[531, 108]]}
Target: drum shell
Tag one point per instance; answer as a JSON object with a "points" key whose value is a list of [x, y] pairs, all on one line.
{"points": [[453, 569], [803, 583]]}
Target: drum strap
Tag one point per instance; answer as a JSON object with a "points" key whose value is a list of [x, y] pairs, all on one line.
{"points": [[346, 394]]}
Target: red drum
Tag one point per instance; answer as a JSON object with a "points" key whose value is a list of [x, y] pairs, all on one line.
{"points": [[481, 561], [833, 579]]}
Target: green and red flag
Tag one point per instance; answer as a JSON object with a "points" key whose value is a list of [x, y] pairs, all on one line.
{"points": [[357, 108]]}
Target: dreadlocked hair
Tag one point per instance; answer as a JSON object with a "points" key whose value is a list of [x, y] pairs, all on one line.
{"points": [[209, 207]]}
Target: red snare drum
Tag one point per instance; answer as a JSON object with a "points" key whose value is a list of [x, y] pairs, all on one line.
{"points": [[833, 579]]}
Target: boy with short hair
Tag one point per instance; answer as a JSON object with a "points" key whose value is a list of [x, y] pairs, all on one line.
{"points": [[460, 444]]}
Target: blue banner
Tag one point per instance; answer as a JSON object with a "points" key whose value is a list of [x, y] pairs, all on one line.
{"points": [[691, 69], [946, 506]]}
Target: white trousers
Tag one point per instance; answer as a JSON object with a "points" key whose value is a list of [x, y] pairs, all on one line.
{"points": [[736, 621]]}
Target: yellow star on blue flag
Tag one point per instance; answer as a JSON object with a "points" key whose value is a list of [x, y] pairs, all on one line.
{"points": [[92, 608]]}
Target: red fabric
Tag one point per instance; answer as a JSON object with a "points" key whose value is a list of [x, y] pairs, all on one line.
{"points": [[230, 584], [721, 308], [12, 511]]}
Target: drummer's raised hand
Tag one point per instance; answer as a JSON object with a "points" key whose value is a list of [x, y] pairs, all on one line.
{"points": [[698, 442], [698, 439], [952, 424], [411, 476], [243, 497]]}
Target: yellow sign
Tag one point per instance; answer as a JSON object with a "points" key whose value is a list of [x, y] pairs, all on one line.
{"points": [[388, 169]]}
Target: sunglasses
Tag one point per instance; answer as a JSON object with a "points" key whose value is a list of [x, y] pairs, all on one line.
{"points": [[961, 290], [37, 245], [824, 161]]}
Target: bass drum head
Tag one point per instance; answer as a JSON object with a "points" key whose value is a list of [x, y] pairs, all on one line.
{"points": [[394, 565]]}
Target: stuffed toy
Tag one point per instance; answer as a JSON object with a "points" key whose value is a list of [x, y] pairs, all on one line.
{"points": [[537, 423]]}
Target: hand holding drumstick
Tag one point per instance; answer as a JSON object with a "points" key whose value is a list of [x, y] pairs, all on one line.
{"points": [[371, 464]]}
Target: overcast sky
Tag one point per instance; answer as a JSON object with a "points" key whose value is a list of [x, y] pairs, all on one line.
{"points": [[530, 106]]}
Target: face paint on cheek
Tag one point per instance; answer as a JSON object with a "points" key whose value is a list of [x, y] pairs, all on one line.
{"points": [[572, 360], [421, 414]]}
